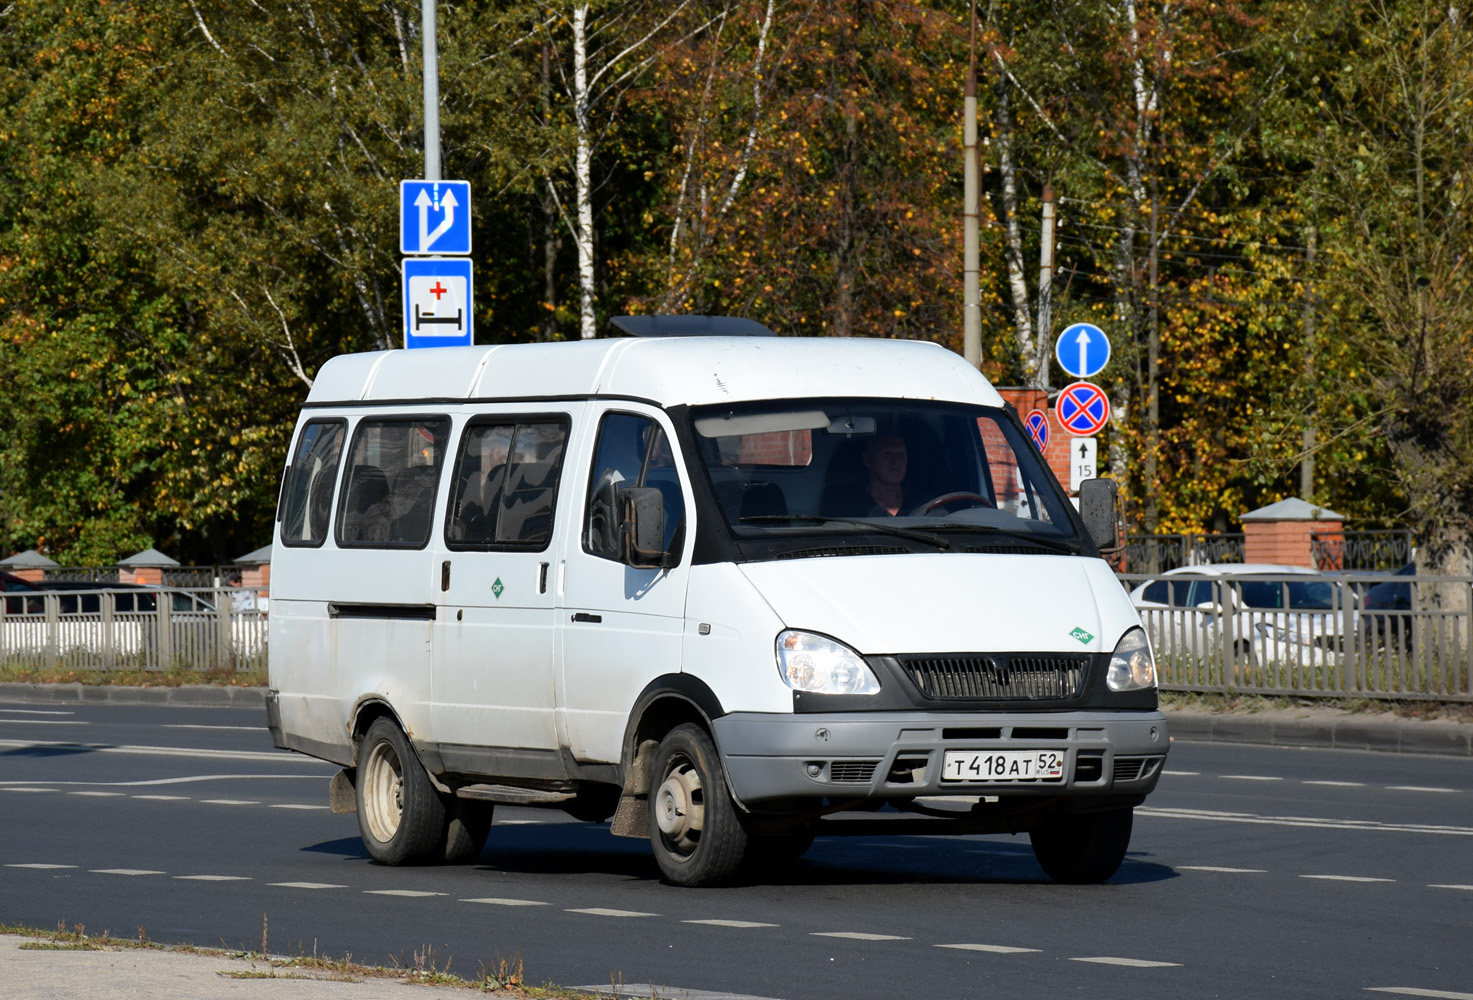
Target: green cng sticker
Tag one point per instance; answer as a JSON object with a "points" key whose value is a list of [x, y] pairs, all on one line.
{"points": [[497, 588], [1078, 633]]}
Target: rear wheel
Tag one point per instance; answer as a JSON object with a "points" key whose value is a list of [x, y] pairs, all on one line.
{"points": [[694, 830], [401, 816], [1083, 847]]}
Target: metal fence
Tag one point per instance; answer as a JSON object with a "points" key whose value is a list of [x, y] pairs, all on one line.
{"points": [[1363, 550], [1311, 636], [173, 576], [1158, 553], [137, 629]]}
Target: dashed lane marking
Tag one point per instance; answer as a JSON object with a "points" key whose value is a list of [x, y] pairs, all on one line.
{"points": [[1419, 788], [39, 865], [276, 756], [124, 871], [738, 924], [1228, 871], [214, 878], [859, 936], [1412, 991], [1183, 774], [1301, 821], [993, 949], [46, 722], [493, 901], [163, 798], [35, 711], [406, 893], [25, 788], [1133, 963], [231, 802], [636, 990], [1348, 878], [297, 805], [1469, 888], [1338, 784], [307, 885], [599, 911], [1252, 777], [239, 729], [99, 795]]}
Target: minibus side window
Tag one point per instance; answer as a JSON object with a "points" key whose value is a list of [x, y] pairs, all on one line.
{"points": [[307, 500], [632, 451], [506, 479], [388, 496]]}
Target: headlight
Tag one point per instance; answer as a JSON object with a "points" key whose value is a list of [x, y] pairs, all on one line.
{"points": [[1131, 666], [809, 662]]}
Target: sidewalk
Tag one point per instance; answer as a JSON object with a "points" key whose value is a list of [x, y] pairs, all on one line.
{"points": [[1295, 727]]}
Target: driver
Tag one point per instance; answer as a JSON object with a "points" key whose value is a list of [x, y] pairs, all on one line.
{"points": [[885, 460]]}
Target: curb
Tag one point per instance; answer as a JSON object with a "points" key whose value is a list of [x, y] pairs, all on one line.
{"points": [[188, 695], [1347, 732]]}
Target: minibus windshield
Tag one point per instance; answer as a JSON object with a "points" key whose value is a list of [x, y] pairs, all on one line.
{"points": [[944, 476]]}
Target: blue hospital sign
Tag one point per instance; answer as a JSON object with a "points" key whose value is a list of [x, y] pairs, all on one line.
{"points": [[437, 302]]}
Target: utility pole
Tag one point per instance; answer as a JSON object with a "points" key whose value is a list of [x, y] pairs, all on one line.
{"points": [[431, 91], [1045, 292], [971, 289]]}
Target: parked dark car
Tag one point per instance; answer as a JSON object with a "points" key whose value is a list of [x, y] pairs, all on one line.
{"points": [[13, 586], [1386, 607]]}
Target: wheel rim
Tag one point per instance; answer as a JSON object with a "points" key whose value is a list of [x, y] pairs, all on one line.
{"points": [[680, 807], [383, 792]]}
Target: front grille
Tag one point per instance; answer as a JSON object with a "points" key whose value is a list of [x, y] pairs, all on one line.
{"points": [[970, 677], [852, 770], [1132, 768]]}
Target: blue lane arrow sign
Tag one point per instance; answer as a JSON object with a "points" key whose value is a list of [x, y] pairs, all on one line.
{"points": [[1083, 350], [435, 217]]}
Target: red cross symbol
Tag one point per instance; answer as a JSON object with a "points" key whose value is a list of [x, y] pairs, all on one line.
{"points": [[438, 290]]}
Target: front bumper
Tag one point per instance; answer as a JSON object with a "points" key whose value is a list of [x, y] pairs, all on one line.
{"points": [[898, 755]]}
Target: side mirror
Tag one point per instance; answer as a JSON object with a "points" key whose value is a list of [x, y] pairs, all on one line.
{"points": [[1099, 507], [642, 527]]}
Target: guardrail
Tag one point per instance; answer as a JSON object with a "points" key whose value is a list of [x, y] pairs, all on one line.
{"points": [[1210, 639], [138, 629]]}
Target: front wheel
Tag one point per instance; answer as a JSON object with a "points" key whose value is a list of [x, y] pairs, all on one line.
{"points": [[694, 830], [401, 816], [1083, 847]]}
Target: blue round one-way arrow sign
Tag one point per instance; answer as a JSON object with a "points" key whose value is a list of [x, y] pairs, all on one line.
{"points": [[1083, 350]]}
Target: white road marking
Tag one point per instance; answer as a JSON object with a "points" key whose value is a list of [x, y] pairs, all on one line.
{"points": [[1412, 991], [1467, 887], [1229, 871], [163, 798], [307, 885], [519, 822], [407, 893], [149, 782], [493, 901], [124, 871], [1348, 878], [39, 865], [99, 795], [1134, 963], [1419, 788], [1183, 774], [35, 711], [598, 911], [995, 949], [213, 878], [297, 805], [1253, 777], [1301, 821], [47, 722], [22, 788], [1338, 784], [859, 936], [231, 802], [239, 729], [276, 756], [730, 923]]}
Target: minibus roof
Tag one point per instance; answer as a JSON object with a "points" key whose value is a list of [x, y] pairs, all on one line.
{"points": [[667, 371]]}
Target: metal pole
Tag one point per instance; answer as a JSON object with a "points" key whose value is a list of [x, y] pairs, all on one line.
{"points": [[972, 297], [1045, 290], [431, 92]]}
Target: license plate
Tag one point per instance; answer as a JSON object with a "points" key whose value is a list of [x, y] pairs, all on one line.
{"points": [[1003, 765]]}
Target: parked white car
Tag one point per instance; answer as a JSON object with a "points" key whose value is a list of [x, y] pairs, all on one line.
{"points": [[1249, 613]]}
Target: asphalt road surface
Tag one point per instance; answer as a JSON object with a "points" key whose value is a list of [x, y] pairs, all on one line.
{"points": [[1253, 871]]}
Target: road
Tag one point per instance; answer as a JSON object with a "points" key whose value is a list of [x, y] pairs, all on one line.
{"points": [[1253, 871]]}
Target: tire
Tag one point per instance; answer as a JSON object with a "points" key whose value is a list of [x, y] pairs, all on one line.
{"points": [[1081, 848], [694, 830], [401, 817], [468, 824]]}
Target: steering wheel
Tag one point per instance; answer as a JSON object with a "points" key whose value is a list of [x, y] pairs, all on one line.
{"points": [[923, 510]]}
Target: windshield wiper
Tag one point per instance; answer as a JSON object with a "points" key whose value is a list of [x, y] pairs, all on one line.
{"points": [[1057, 545], [884, 529]]}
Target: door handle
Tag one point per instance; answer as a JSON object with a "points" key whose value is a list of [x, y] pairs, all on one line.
{"points": [[584, 616]]}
